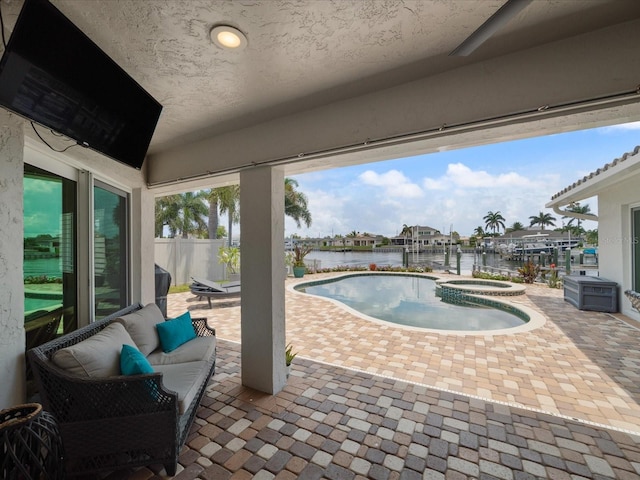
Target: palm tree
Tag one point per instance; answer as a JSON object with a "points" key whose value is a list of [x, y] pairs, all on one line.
{"points": [[166, 214], [229, 203], [192, 212], [213, 220], [478, 231], [407, 231], [516, 227], [542, 219], [295, 203], [183, 213], [494, 221], [577, 208]]}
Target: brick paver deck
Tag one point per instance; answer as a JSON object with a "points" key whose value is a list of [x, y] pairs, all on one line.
{"points": [[369, 400]]}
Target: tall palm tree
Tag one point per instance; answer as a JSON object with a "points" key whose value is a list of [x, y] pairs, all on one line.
{"points": [[542, 219], [192, 211], [577, 208], [166, 214], [478, 231], [183, 213], [229, 203], [295, 203], [494, 221], [213, 219], [406, 230], [226, 199]]}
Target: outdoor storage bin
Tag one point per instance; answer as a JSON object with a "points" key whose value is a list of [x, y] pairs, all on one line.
{"points": [[591, 293]]}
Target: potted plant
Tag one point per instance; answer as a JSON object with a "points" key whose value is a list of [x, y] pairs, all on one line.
{"points": [[230, 257], [299, 252], [289, 355]]}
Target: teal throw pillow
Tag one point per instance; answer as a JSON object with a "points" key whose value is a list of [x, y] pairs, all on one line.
{"points": [[133, 362], [176, 332]]}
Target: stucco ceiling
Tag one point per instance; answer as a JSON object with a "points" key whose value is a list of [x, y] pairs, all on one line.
{"points": [[303, 54]]}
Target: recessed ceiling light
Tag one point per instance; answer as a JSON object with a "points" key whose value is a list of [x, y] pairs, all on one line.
{"points": [[228, 37]]}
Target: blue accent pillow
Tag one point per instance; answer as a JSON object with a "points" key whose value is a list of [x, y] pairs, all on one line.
{"points": [[133, 362], [176, 332]]}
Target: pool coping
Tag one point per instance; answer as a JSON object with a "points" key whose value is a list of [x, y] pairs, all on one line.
{"points": [[536, 319]]}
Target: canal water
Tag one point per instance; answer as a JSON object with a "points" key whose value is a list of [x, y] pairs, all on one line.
{"points": [[436, 260]]}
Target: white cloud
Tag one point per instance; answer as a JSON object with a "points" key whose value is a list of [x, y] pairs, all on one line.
{"points": [[394, 183], [459, 175], [623, 127]]}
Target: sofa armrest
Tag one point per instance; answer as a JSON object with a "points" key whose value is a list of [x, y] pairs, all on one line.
{"points": [[75, 399], [201, 327]]}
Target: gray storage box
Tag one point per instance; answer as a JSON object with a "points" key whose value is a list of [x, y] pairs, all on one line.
{"points": [[591, 293]]}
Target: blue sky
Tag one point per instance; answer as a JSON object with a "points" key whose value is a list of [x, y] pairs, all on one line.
{"points": [[458, 188]]}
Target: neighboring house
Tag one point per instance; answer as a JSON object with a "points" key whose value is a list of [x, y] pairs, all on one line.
{"points": [[616, 186], [351, 241], [423, 237]]}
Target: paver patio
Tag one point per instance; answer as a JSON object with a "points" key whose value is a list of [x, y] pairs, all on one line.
{"points": [[401, 404], [579, 364]]}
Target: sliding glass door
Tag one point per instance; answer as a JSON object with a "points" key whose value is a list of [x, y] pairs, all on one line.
{"points": [[50, 258], [110, 252]]}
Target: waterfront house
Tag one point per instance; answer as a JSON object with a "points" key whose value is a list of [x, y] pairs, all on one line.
{"points": [[315, 85], [615, 185], [423, 238]]}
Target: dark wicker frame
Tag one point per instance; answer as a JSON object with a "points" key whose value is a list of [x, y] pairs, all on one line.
{"points": [[634, 298], [111, 423]]}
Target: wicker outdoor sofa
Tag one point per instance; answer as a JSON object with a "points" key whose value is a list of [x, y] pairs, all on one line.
{"points": [[109, 421]]}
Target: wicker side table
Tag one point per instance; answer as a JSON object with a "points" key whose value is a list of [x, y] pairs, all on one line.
{"points": [[31, 447], [634, 298]]}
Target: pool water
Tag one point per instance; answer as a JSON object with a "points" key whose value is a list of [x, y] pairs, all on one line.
{"points": [[409, 300]]}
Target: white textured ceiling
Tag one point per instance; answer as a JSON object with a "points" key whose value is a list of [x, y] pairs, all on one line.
{"points": [[302, 53]]}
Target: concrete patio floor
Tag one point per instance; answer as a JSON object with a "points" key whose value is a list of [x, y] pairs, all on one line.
{"points": [[371, 400]]}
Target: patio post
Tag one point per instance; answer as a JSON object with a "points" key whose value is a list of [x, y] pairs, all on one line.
{"points": [[263, 277], [12, 335]]}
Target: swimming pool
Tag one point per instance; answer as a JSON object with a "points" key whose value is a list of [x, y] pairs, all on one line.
{"points": [[410, 300]]}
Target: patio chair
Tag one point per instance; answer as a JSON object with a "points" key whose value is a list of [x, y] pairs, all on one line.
{"points": [[209, 289]]}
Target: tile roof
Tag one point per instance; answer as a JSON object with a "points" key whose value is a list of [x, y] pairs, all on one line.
{"points": [[617, 163]]}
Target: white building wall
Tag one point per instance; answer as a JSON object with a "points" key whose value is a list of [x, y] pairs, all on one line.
{"points": [[12, 336], [615, 242]]}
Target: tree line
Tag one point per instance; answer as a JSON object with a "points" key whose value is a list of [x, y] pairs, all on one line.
{"points": [[197, 214], [494, 222]]}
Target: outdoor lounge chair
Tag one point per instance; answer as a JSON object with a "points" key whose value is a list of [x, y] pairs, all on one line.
{"points": [[208, 289]]}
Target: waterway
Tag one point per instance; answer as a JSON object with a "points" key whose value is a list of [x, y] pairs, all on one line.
{"points": [[436, 260]]}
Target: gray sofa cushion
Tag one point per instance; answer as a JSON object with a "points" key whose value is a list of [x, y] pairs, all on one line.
{"points": [[185, 379], [98, 356], [141, 325], [200, 348]]}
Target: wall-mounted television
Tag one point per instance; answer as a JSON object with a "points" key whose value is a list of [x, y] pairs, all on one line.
{"points": [[53, 74]]}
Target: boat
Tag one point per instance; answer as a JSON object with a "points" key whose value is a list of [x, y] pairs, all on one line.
{"points": [[541, 243]]}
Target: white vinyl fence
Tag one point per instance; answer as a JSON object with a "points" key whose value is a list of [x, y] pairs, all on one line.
{"points": [[186, 258]]}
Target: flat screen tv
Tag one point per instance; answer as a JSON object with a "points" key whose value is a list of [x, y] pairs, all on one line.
{"points": [[53, 74]]}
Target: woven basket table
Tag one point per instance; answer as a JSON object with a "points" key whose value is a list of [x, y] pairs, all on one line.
{"points": [[31, 445]]}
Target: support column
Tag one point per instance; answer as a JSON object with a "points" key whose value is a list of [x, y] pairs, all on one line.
{"points": [[142, 235], [263, 277], [12, 336]]}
